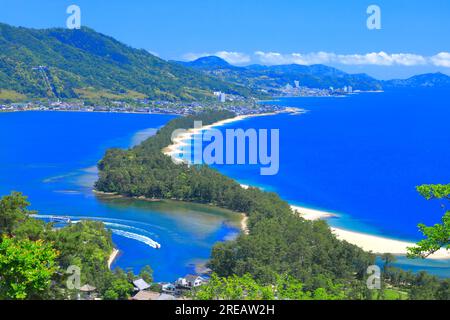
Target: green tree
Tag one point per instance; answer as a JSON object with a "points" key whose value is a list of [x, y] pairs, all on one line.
{"points": [[437, 236], [146, 274], [26, 268], [118, 286], [388, 259], [233, 288], [13, 211], [424, 287]]}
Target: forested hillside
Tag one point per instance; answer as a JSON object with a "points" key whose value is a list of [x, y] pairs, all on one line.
{"points": [[38, 260], [84, 63]]}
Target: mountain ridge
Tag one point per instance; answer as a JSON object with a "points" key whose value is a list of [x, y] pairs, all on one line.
{"points": [[84, 63], [314, 76]]}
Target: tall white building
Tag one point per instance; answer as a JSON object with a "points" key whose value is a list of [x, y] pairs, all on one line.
{"points": [[222, 97]]}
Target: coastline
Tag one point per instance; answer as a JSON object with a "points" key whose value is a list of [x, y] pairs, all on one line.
{"points": [[179, 141], [93, 111], [368, 242], [244, 224], [112, 257], [378, 244]]}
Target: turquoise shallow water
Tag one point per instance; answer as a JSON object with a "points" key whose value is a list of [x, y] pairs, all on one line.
{"points": [[52, 156]]}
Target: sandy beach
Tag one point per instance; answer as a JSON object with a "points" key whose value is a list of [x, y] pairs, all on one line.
{"points": [[312, 214], [368, 242], [379, 244], [112, 257], [244, 224]]}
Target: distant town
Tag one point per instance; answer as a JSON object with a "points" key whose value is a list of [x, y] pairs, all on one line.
{"points": [[222, 101], [297, 90]]}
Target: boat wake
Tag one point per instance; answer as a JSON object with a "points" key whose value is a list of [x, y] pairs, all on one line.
{"points": [[116, 228], [137, 237]]}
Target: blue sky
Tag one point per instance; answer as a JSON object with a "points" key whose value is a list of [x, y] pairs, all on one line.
{"points": [[414, 37]]}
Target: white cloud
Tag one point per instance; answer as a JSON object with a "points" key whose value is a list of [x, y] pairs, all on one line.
{"points": [[236, 58], [374, 58], [273, 58], [442, 59], [194, 56], [383, 59]]}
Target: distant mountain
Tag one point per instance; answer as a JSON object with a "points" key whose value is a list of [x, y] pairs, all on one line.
{"points": [[314, 76], [273, 77], [87, 64], [438, 80], [209, 63]]}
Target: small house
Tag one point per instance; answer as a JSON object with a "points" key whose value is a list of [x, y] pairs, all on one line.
{"points": [[190, 281], [146, 296], [140, 285]]}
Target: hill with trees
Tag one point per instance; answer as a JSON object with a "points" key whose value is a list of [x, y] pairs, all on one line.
{"points": [[37, 260], [86, 64]]}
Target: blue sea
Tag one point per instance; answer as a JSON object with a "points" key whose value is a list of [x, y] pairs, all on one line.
{"points": [[51, 157], [360, 156]]}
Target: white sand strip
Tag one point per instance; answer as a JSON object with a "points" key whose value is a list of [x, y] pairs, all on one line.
{"points": [[178, 142], [112, 257], [312, 214], [378, 244]]}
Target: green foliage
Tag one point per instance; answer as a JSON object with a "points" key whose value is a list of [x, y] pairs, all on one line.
{"points": [[87, 245], [85, 63], [26, 268], [118, 288], [390, 294], [246, 288], [388, 259], [31, 252], [233, 288], [420, 286], [437, 236], [12, 212], [434, 191], [146, 273], [424, 287]]}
